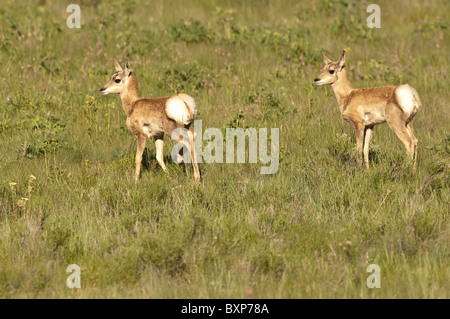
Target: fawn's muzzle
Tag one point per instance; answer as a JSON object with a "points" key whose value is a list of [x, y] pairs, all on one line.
{"points": [[318, 81]]}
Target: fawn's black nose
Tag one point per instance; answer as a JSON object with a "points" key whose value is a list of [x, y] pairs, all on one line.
{"points": [[102, 89], [316, 80]]}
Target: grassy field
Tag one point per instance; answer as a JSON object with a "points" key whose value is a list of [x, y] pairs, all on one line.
{"points": [[67, 193]]}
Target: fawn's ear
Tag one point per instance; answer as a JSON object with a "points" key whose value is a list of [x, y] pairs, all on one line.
{"points": [[341, 61], [127, 68], [325, 59], [117, 66]]}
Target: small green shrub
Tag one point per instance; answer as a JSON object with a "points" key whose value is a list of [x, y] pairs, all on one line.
{"points": [[430, 27], [190, 31], [268, 263], [270, 104], [163, 255], [343, 149], [184, 77], [38, 147], [444, 146]]}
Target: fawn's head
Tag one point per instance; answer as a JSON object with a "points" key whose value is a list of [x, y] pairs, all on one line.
{"points": [[330, 71], [118, 81]]}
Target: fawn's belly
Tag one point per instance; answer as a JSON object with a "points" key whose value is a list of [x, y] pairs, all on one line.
{"points": [[373, 117], [150, 128]]}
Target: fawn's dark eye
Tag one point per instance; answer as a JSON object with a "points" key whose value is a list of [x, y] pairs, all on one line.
{"points": [[331, 71], [117, 80]]}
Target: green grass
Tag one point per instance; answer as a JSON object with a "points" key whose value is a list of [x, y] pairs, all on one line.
{"points": [[309, 231]]}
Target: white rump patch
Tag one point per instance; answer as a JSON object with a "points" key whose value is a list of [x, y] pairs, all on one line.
{"points": [[406, 97], [416, 95], [190, 102], [177, 108]]}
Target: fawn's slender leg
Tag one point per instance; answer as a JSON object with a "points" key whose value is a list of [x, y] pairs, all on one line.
{"points": [[359, 130], [404, 136], [190, 146], [180, 159], [194, 156], [159, 143], [140, 150], [410, 130], [367, 138], [399, 124]]}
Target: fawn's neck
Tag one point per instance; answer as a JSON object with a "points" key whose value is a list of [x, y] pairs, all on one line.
{"points": [[130, 95], [342, 88]]}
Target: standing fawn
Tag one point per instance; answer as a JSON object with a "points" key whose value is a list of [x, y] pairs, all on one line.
{"points": [[153, 117], [365, 108]]}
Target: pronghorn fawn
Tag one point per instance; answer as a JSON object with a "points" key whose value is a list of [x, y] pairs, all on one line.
{"points": [[365, 108], [153, 117]]}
